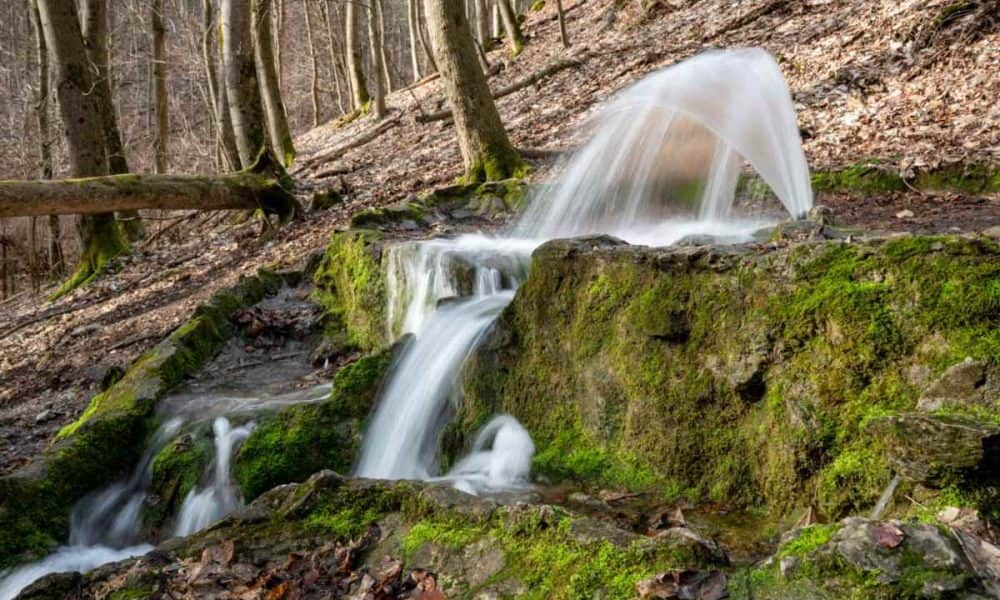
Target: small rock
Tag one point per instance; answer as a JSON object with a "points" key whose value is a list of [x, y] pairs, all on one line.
{"points": [[788, 565], [905, 214], [45, 415]]}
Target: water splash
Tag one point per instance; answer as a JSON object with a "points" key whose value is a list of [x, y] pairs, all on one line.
{"points": [[672, 145], [500, 459], [203, 507]]}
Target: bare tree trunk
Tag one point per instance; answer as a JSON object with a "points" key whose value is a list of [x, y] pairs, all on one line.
{"points": [[227, 137], [355, 72], [387, 77], [243, 91], [512, 29], [279, 27], [336, 65], [562, 24], [314, 78], [483, 24], [100, 237], [160, 87], [495, 26], [94, 27], [486, 150], [414, 24], [208, 63], [378, 67], [57, 266], [274, 106], [428, 52]]}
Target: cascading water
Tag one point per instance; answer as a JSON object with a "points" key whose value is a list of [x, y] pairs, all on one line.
{"points": [[203, 507], [664, 162], [104, 527]]}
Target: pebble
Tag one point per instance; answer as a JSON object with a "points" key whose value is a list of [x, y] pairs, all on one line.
{"points": [[45, 415], [905, 214]]}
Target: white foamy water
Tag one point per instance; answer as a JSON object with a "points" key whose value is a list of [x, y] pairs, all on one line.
{"points": [[500, 459], [203, 507], [672, 144]]}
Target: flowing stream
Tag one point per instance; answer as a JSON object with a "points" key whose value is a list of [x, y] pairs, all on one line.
{"points": [[663, 162]]}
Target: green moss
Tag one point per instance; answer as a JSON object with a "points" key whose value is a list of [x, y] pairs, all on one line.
{"points": [[808, 540], [292, 444], [498, 163], [453, 535], [105, 241], [874, 178], [744, 379], [177, 469], [350, 287], [537, 5]]}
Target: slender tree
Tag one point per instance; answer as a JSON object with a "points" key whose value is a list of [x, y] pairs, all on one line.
{"points": [[243, 91], [562, 24], [94, 26], [101, 240], [313, 65], [355, 71], [512, 29], [414, 26], [160, 87], [379, 79], [274, 106], [336, 51], [486, 150], [483, 24], [225, 137], [57, 265]]}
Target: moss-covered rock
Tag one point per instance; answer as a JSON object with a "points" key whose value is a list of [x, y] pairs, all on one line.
{"points": [[108, 438], [735, 374], [865, 559], [176, 470], [872, 177], [476, 547], [293, 443], [350, 287]]}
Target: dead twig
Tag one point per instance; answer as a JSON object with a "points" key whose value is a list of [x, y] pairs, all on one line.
{"points": [[335, 153]]}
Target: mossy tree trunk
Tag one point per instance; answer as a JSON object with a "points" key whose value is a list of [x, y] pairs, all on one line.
{"points": [[100, 237], [274, 106], [355, 72], [258, 187], [94, 25], [486, 150], [243, 91]]}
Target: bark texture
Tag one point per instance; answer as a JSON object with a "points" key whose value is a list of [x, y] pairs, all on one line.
{"points": [[160, 87], [243, 91], [80, 109], [274, 106], [512, 29], [379, 79], [355, 72], [486, 150], [250, 189]]}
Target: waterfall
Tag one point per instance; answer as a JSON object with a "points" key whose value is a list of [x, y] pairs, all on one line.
{"points": [[203, 507], [664, 162]]}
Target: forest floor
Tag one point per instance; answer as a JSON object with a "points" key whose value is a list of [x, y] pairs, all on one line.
{"points": [[910, 83]]}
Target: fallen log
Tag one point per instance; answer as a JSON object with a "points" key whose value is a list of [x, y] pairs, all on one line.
{"points": [[335, 153], [260, 186], [520, 84]]}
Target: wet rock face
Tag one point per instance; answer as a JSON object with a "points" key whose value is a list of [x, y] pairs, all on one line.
{"points": [[967, 384], [935, 449]]}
